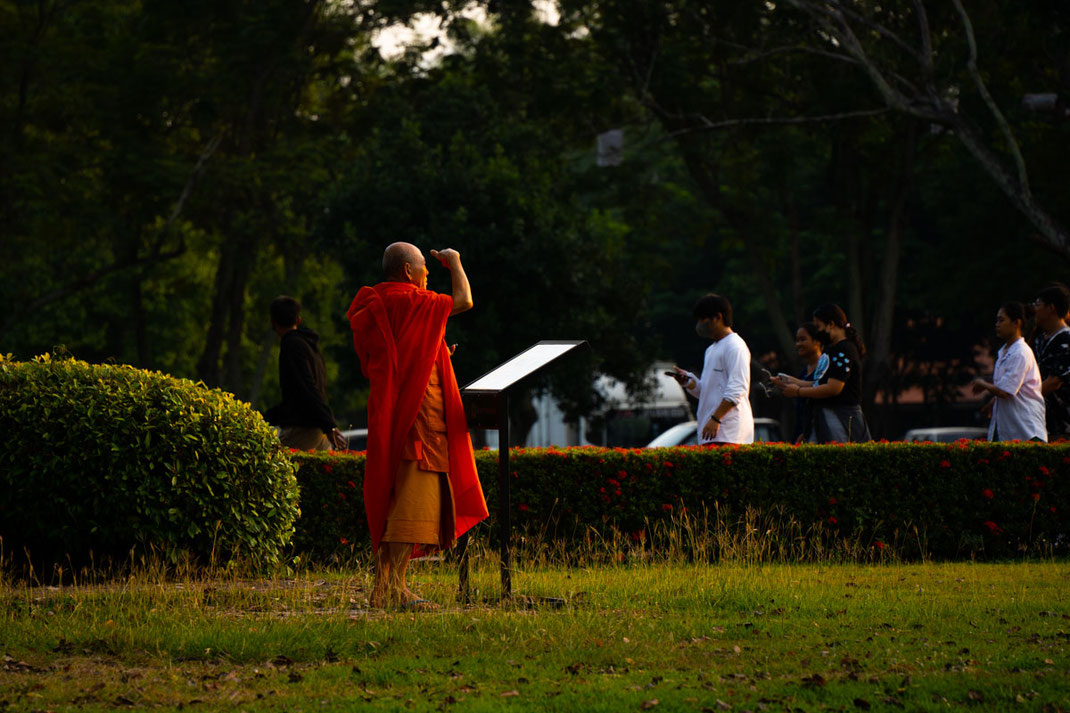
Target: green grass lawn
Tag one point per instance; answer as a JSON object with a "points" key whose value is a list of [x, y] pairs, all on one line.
{"points": [[656, 636]]}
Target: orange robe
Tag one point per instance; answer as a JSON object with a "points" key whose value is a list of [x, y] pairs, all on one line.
{"points": [[398, 333]]}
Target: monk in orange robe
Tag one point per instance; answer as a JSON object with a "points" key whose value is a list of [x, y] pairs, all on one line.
{"points": [[421, 489]]}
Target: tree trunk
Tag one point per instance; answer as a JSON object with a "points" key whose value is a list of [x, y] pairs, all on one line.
{"points": [[878, 367], [796, 260], [233, 366], [208, 369], [785, 337], [263, 362]]}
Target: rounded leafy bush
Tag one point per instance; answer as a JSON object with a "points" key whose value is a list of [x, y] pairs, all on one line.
{"points": [[102, 460]]}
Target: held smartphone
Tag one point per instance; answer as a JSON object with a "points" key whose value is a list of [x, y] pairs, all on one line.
{"points": [[680, 378]]}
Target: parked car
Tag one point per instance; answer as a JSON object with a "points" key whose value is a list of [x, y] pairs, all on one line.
{"points": [[357, 438], [686, 433], [946, 434]]}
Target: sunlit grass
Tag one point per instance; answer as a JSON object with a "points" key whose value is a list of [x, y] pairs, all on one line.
{"points": [[691, 617]]}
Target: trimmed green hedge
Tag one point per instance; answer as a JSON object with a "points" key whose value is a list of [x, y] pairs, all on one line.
{"points": [[104, 459], [943, 500]]}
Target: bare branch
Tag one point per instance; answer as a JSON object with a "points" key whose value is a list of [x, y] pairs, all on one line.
{"points": [[878, 28], [839, 12], [708, 125], [982, 88], [837, 27], [206, 154], [925, 34], [758, 57]]}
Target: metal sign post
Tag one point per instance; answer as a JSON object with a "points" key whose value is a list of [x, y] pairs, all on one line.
{"points": [[486, 405]]}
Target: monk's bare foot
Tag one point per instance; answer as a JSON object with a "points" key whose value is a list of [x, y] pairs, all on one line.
{"points": [[380, 597]]}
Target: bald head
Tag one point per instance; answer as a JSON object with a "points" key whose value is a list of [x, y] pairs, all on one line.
{"points": [[403, 262], [396, 256]]}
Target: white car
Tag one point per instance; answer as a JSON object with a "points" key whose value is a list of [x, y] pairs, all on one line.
{"points": [[946, 434], [356, 439], [686, 433]]}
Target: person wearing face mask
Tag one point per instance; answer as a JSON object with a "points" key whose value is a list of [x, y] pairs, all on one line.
{"points": [[421, 488], [838, 394], [723, 390]]}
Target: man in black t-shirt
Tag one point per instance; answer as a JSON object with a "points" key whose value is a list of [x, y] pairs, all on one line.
{"points": [[1052, 348]]}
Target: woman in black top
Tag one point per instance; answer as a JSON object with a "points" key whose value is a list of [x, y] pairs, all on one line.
{"points": [[837, 397]]}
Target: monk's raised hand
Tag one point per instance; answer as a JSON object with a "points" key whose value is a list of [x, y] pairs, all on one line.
{"points": [[447, 257], [453, 349]]}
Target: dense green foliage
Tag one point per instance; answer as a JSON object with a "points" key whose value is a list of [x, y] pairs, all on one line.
{"points": [[948, 501], [101, 460], [169, 168]]}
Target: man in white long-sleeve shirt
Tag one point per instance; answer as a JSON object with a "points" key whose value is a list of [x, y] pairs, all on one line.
{"points": [[723, 391]]}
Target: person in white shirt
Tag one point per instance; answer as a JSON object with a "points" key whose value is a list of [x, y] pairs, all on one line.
{"points": [[1018, 409], [723, 390]]}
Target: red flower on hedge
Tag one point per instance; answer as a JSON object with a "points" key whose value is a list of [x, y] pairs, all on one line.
{"points": [[522, 507], [832, 501], [667, 507], [878, 544], [993, 527], [1036, 496], [352, 484], [668, 464], [982, 461], [622, 474], [988, 494], [343, 540], [1044, 469], [832, 520], [945, 464], [326, 468]]}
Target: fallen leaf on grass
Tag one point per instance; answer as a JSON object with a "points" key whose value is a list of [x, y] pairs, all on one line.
{"points": [[509, 694], [975, 697], [647, 705], [722, 706], [295, 677], [814, 680], [862, 703]]}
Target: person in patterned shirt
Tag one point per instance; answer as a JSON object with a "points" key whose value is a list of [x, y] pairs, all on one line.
{"points": [[1051, 344]]}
